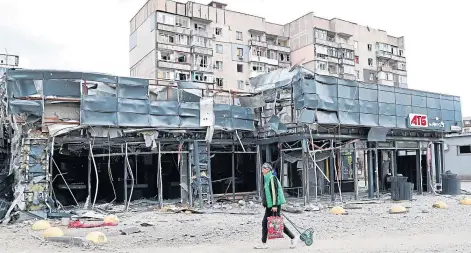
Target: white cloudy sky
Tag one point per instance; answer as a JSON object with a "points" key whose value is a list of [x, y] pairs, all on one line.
{"points": [[93, 34]]}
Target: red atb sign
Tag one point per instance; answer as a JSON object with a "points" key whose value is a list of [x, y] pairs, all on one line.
{"points": [[418, 120]]}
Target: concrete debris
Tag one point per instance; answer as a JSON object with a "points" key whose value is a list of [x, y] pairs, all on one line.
{"points": [[130, 230], [291, 209], [72, 241]]}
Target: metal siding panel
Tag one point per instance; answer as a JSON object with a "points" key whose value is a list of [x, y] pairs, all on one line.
{"points": [[433, 103], [348, 105], [347, 92], [386, 97], [419, 101], [403, 99], [368, 94], [419, 110], [403, 111], [387, 121], [367, 119], [387, 109], [368, 107]]}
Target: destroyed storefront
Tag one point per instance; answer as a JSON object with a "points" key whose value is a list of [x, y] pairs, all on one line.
{"points": [[345, 138], [85, 138]]}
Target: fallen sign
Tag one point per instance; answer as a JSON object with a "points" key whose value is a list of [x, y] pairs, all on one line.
{"points": [[79, 224]]}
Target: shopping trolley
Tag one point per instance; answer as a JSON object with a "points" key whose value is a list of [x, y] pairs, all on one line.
{"points": [[306, 236]]}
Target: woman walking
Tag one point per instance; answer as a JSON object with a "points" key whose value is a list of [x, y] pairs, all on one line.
{"points": [[272, 199]]}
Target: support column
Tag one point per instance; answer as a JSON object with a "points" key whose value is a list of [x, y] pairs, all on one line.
{"points": [[438, 162], [419, 169], [233, 173], [370, 172], [430, 175], [376, 170], [306, 186], [267, 153], [355, 170], [332, 172], [258, 171]]}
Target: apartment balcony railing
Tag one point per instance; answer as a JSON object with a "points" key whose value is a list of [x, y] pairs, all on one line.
{"points": [[258, 43], [346, 61], [385, 68], [174, 47], [279, 48], [201, 33], [383, 54], [326, 43], [201, 50], [400, 72], [346, 46], [263, 59], [256, 73], [197, 67], [174, 65], [199, 44], [284, 64], [174, 29], [398, 58]]}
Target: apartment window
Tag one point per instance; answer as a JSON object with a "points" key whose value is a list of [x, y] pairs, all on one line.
{"points": [[240, 52], [370, 62], [464, 150], [240, 84], [219, 82], [320, 34], [255, 37], [165, 56], [132, 41], [357, 59], [218, 31], [181, 22], [401, 52], [182, 76], [370, 47], [321, 65], [239, 35], [272, 55], [284, 57], [258, 67], [402, 79], [372, 77], [332, 52], [240, 68], [202, 61], [166, 38], [402, 66], [200, 27], [218, 65], [357, 74], [219, 48], [355, 44], [181, 58]]}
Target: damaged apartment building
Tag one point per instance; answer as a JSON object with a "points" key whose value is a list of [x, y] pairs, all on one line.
{"points": [[84, 138]]}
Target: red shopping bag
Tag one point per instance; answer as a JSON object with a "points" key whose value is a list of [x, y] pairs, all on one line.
{"points": [[275, 227]]}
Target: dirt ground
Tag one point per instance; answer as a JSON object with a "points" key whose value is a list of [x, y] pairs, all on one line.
{"points": [[367, 228]]}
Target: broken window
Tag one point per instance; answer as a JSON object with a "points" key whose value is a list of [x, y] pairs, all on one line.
{"points": [[370, 62], [182, 76], [219, 82], [165, 56], [219, 48], [218, 65], [240, 68], [320, 34], [218, 31], [200, 27], [321, 65], [240, 52], [401, 52], [372, 76], [370, 47], [181, 21], [258, 67], [272, 55], [181, 58], [240, 84], [257, 51], [239, 35]]}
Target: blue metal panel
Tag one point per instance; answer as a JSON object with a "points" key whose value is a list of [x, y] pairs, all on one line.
{"points": [[458, 116], [387, 109], [164, 108], [433, 103], [367, 119], [434, 113], [457, 105], [348, 92], [61, 88], [98, 118], [189, 122], [447, 104], [326, 79], [131, 119], [401, 122], [348, 105], [189, 109], [419, 101], [403, 111], [448, 115], [100, 104], [387, 121], [164, 121], [133, 105], [403, 99], [368, 94], [349, 118], [419, 110], [368, 107]]}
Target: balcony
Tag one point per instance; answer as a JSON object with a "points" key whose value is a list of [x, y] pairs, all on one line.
{"points": [[279, 48], [258, 43], [386, 82], [347, 61], [207, 44], [263, 59], [326, 43], [398, 58], [175, 47], [383, 54], [201, 33], [200, 50], [284, 64], [174, 65], [400, 72], [209, 68], [256, 73], [385, 68], [346, 46], [173, 29]]}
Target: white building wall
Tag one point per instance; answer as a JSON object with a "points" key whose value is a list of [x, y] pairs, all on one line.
{"points": [[142, 44], [456, 162]]}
